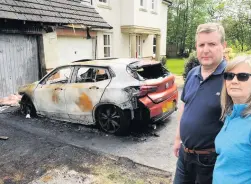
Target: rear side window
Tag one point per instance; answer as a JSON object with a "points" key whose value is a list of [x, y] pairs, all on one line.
{"points": [[147, 71], [86, 74]]}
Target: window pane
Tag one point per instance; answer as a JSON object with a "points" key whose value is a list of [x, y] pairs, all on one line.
{"points": [[60, 76], [107, 51], [105, 39], [103, 1], [108, 40], [154, 49], [141, 2], [101, 74], [85, 75]]}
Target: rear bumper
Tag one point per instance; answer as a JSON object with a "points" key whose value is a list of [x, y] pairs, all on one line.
{"points": [[163, 116], [156, 109]]}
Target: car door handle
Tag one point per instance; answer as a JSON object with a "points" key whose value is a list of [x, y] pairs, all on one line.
{"points": [[57, 89], [93, 87]]}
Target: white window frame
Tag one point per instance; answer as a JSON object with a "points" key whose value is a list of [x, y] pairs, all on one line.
{"points": [[104, 4], [109, 45], [103, 1], [144, 5], [154, 45], [154, 5], [141, 3]]}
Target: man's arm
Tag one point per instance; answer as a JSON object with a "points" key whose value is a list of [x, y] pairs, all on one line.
{"points": [[177, 141]]}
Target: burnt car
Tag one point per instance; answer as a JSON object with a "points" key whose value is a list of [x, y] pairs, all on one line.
{"points": [[110, 93]]}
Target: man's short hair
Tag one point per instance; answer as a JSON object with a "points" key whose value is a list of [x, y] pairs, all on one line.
{"points": [[209, 28]]}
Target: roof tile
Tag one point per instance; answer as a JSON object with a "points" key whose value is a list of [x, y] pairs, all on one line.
{"points": [[52, 11]]}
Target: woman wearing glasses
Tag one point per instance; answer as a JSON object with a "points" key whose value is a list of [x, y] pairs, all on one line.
{"points": [[233, 143]]}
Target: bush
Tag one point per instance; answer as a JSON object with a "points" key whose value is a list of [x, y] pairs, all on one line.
{"points": [[248, 52], [163, 61], [229, 54], [191, 62]]}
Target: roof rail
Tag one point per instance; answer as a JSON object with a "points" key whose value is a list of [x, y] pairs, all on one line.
{"points": [[83, 60]]}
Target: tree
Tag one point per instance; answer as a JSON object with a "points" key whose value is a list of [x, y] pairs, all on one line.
{"points": [[185, 15], [183, 18]]}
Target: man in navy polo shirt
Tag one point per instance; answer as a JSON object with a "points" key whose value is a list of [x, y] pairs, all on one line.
{"points": [[200, 111]]}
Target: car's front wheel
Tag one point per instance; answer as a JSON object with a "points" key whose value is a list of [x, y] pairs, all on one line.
{"points": [[112, 119], [27, 107]]}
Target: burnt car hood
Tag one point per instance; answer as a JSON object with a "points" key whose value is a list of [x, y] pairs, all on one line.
{"points": [[28, 89]]}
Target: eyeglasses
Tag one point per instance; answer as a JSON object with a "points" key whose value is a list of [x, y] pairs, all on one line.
{"points": [[240, 76]]}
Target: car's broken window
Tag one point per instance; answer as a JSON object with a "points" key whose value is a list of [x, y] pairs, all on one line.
{"points": [[60, 76], [101, 74], [145, 72], [85, 74]]}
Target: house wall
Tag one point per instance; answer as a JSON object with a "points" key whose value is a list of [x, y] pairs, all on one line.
{"points": [[146, 17], [147, 45], [111, 14], [129, 13], [50, 50], [61, 50], [163, 25]]}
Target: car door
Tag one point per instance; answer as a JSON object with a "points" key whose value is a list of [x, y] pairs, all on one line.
{"points": [[85, 92], [49, 94]]}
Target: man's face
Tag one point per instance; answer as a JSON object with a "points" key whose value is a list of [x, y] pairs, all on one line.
{"points": [[209, 48]]}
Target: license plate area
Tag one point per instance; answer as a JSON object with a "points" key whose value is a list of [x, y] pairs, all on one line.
{"points": [[167, 106]]}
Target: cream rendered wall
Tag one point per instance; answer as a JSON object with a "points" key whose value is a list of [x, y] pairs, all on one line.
{"points": [[50, 50], [153, 19], [126, 18], [147, 18], [127, 12], [125, 46], [111, 14], [147, 45], [163, 14]]}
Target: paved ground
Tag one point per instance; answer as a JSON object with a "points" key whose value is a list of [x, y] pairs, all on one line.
{"points": [[148, 147], [38, 151]]}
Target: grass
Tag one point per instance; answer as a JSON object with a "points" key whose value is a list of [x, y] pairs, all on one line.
{"points": [[176, 65]]}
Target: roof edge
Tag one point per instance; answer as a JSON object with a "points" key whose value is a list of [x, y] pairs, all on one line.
{"points": [[169, 3]]}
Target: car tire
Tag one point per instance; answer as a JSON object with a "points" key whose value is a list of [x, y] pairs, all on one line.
{"points": [[27, 107], [111, 119]]}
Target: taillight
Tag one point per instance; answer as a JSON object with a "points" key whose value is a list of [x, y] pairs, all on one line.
{"points": [[140, 91], [144, 90]]}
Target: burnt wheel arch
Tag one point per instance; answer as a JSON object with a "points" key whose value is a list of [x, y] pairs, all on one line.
{"points": [[27, 106], [112, 119]]}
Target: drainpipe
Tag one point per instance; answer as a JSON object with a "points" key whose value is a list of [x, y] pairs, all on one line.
{"points": [[96, 43]]}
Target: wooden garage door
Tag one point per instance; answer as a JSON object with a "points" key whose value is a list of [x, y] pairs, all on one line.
{"points": [[18, 62]]}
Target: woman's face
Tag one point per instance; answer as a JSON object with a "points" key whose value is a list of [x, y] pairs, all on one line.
{"points": [[238, 90]]}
